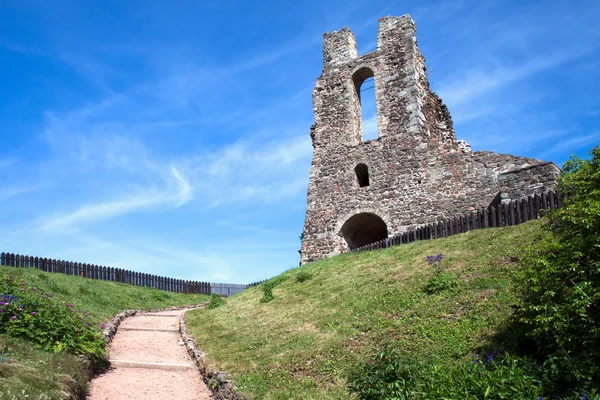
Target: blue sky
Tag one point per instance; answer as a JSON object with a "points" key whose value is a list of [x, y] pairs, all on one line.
{"points": [[173, 137]]}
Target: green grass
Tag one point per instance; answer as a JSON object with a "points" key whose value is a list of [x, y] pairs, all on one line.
{"points": [[102, 299], [304, 343], [27, 372]]}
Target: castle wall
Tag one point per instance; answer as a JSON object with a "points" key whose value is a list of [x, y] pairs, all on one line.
{"points": [[418, 172]]}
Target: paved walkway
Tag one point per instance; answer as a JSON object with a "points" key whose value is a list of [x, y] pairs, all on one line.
{"points": [[148, 362]]}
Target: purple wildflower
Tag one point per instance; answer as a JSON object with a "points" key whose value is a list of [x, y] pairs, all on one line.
{"points": [[33, 313], [13, 317]]}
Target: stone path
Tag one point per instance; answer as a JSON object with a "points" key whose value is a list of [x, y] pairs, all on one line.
{"points": [[148, 362]]}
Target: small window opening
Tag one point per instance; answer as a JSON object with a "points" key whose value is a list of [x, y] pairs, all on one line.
{"points": [[364, 84], [362, 174]]}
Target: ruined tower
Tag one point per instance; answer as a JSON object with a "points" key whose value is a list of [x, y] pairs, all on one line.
{"points": [[416, 171]]}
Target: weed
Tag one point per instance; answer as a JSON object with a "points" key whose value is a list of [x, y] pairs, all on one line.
{"points": [[215, 301], [268, 286], [303, 276], [441, 280]]}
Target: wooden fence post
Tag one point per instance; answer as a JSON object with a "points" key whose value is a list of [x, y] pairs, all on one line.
{"points": [[524, 210], [530, 208]]}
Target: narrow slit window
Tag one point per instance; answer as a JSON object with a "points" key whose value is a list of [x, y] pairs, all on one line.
{"points": [[364, 84], [362, 174]]}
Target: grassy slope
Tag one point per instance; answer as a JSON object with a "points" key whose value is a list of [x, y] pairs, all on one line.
{"points": [[303, 343], [26, 370]]}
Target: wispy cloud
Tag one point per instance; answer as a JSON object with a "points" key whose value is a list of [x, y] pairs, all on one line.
{"points": [[21, 49], [7, 162], [482, 80], [8, 192], [176, 192], [574, 143], [248, 172]]}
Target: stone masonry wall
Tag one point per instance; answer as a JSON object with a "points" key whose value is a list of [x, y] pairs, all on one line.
{"points": [[418, 171]]}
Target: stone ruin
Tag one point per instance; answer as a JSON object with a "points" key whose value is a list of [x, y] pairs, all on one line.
{"points": [[415, 172]]}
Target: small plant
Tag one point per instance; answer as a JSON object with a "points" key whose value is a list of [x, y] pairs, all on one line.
{"points": [[436, 261], [50, 323], [441, 280], [268, 286], [215, 301], [303, 276]]}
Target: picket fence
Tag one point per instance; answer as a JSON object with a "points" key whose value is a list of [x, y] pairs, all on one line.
{"points": [[507, 214], [119, 275]]}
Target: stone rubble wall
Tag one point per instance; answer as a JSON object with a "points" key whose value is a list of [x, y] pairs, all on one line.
{"points": [[418, 171]]}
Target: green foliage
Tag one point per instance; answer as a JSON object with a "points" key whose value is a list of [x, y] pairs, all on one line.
{"points": [[303, 276], [561, 281], [268, 286], [215, 301], [441, 281], [31, 373], [388, 375], [51, 324]]}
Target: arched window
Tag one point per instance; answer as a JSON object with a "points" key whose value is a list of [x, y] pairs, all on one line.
{"points": [[362, 174], [364, 84]]}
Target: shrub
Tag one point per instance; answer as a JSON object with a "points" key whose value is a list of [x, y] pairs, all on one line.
{"points": [[49, 323], [215, 301], [441, 280], [303, 276], [388, 375], [560, 282]]}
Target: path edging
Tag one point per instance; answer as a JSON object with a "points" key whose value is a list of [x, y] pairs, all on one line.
{"points": [[217, 381]]}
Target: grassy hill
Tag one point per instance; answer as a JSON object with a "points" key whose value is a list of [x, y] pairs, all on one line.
{"points": [[328, 315], [28, 371]]}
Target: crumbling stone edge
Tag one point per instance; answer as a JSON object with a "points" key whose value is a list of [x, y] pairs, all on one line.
{"points": [[217, 381]]}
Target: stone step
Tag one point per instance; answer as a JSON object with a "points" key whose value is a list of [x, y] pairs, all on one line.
{"points": [[151, 365], [158, 315], [150, 329]]}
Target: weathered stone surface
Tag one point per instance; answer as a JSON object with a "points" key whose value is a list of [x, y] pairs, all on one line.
{"points": [[417, 171]]}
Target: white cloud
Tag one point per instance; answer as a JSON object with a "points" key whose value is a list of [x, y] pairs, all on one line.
{"points": [[248, 172], [482, 80], [176, 192]]}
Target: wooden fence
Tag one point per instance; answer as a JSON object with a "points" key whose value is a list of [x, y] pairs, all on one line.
{"points": [[119, 275], [226, 289], [512, 213]]}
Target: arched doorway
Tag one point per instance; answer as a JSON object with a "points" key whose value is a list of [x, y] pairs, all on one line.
{"points": [[362, 229]]}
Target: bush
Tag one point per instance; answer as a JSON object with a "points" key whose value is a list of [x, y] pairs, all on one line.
{"points": [[495, 376], [215, 301], [303, 276], [51, 324], [560, 282]]}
